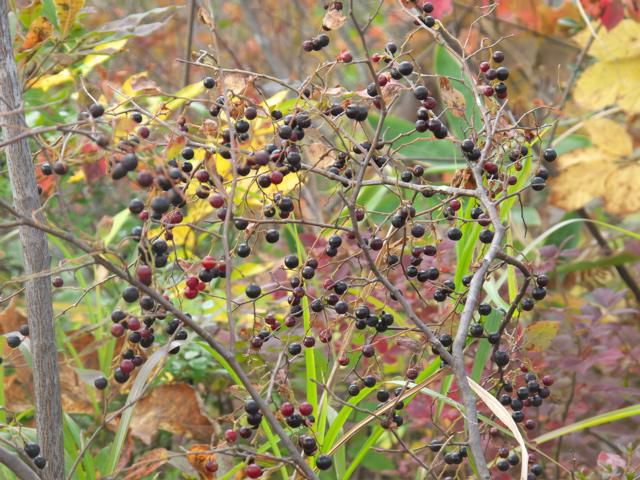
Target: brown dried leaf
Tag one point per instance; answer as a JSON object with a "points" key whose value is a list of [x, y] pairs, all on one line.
{"points": [[236, 82], [320, 155], [39, 31], [209, 127], [390, 90], [175, 408], [453, 99], [204, 17], [333, 19], [147, 464], [11, 319], [463, 178], [199, 459]]}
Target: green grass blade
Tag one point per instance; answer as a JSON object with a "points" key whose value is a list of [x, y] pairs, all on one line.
{"points": [[272, 439], [371, 441], [608, 417], [311, 376]]}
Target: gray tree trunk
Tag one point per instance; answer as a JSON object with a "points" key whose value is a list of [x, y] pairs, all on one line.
{"points": [[36, 259]]}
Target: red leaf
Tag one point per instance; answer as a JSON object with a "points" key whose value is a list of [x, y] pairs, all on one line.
{"points": [[441, 8], [612, 13]]}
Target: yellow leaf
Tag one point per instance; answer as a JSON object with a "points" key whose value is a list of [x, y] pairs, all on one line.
{"points": [[39, 31], [276, 99], [182, 95], [139, 83], [579, 184], [622, 194], [609, 136], [582, 157], [67, 10], [621, 42], [103, 52], [539, 335], [608, 83], [77, 177]]}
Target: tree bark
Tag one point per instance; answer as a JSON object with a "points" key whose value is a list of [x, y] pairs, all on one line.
{"points": [[36, 260]]}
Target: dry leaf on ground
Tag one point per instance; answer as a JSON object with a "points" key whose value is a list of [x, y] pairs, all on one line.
{"points": [[176, 408]]}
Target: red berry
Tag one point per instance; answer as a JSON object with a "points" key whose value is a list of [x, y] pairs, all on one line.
{"points": [[57, 282], [277, 177], [192, 282], [208, 262], [143, 215], [345, 56], [127, 366], [231, 436], [343, 361], [145, 273], [211, 466], [287, 409], [375, 58], [484, 66], [201, 286], [253, 471], [548, 380], [306, 409], [455, 205], [134, 324], [491, 167], [202, 176], [216, 200], [190, 293], [382, 80], [117, 330]]}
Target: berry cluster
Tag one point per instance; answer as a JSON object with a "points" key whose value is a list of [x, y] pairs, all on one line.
{"points": [[530, 394]]}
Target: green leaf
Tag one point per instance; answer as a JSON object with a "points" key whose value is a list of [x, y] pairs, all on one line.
{"points": [[569, 235], [49, 11], [572, 142], [484, 347], [608, 417], [425, 146], [447, 66], [371, 441], [604, 262], [136, 392], [119, 220]]}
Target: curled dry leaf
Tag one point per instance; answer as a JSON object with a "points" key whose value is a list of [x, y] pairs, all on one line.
{"points": [[39, 31], [147, 464], [320, 155], [199, 456], [333, 19], [205, 18], [176, 408], [452, 97]]}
